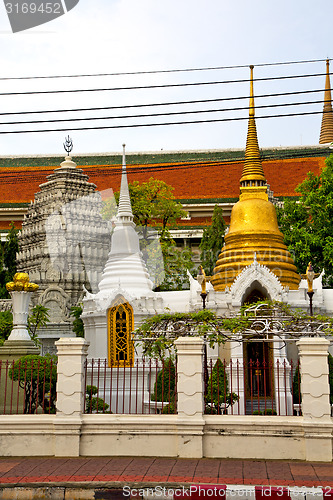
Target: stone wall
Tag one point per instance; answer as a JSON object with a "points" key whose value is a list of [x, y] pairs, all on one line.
{"points": [[189, 433]]}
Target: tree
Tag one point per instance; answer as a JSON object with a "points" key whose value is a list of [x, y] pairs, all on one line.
{"points": [[8, 260], [217, 390], [307, 223], [212, 241], [37, 376], [78, 326], [165, 385], [155, 212]]}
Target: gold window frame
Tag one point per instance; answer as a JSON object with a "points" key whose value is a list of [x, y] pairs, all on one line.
{"points": [[120, 344]]}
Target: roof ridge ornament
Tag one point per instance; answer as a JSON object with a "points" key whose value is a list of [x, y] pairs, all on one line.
{"points": [[68, 145]]}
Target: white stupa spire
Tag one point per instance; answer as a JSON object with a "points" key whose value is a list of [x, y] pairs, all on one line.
{"points": [[124, 214], [125, 267]]}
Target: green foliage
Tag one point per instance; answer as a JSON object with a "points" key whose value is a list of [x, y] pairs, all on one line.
{"points": [[296, 386], [164, 387], [94, 404], [297, 380], [307, 224], [217, 389], [158, 333], [8, 260], [78, 326], [39, 317], [155, 213], [153, 204], [169, 408], [6, 325], [37, 375], [268, 411], [176, 263], [212, 241]]}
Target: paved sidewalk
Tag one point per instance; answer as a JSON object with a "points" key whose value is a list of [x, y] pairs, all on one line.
{"points": [[120, 471]]}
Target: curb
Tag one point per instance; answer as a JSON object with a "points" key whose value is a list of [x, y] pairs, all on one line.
{"points": [[168, 492]]}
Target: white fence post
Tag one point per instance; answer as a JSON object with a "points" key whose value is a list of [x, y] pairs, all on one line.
{"points": [[190, 395], [315, 391], [72, 353]]}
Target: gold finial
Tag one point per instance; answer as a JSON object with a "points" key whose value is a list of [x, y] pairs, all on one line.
{"points": [[253, 173], [202, 279], [251, 107], [326, 131], [21, 283], [310, 275]]}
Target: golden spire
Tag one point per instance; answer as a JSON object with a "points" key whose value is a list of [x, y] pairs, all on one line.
{"points": [[253, 173], [253, 226], [326, 132]]}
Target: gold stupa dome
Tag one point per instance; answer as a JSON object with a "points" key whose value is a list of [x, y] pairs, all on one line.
{"points": [[253, 225]]}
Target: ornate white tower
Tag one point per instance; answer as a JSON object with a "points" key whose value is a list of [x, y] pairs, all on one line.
{"points": [[125, 288], [64, 243]]}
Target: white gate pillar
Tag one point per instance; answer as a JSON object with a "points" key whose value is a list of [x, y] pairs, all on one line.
{"points": [[190, 396], [315, 391], [72, 353]]}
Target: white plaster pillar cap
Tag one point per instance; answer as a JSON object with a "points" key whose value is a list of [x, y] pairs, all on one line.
{"points": [[72, 344], [309, 344], [186, 344]]}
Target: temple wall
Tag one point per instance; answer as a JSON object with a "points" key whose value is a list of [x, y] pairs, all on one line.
{"points": [[189, 433]]}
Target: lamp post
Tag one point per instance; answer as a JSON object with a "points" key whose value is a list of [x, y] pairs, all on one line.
{"points": [[201, 278]]}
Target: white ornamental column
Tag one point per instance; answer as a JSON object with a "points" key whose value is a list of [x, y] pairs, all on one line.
{"points": [[19, 342], [190, 396], [315, 391]]}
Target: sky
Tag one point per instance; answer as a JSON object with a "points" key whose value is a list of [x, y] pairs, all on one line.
{"points": [[121, 36]]}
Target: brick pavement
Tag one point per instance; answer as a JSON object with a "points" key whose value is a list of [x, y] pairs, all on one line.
{"points": [[125, 470]]}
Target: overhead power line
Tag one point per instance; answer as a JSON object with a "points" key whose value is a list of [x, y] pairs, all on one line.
{"points": [[139, 125], [166, 85], [168, 113], [151, 72], [171, 103]]}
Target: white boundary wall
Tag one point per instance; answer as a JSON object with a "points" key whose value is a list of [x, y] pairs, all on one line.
{"points": [[190, 433]]}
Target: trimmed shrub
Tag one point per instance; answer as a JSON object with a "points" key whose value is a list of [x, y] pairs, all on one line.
{"points": [[164, 387], [94, 404]]}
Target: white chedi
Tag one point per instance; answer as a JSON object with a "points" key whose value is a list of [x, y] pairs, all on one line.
{"points": [[125, 267]]}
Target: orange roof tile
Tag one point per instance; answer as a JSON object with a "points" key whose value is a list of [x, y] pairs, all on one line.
{"points": [[197, 181]]}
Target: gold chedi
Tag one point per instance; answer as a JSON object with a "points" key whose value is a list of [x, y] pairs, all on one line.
{"points": [[253, 226]]}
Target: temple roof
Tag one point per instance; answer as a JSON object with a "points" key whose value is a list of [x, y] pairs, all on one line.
{"points": [[198, 177], [208, 180]]}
